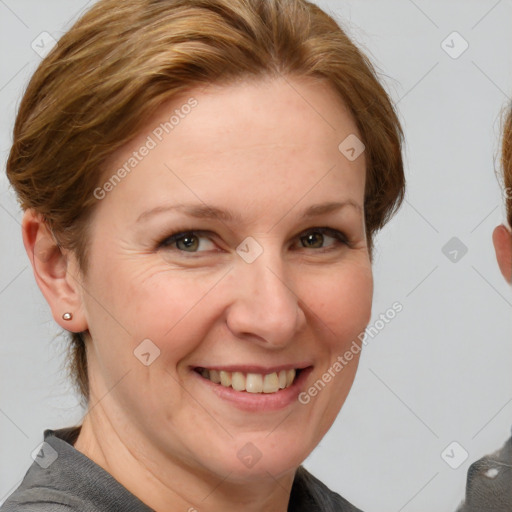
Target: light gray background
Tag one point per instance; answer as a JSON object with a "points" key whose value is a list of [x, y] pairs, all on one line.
{"points": [[441, 370]]}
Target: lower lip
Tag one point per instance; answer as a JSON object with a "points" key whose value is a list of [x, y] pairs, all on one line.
{"points": [[259, 402]]}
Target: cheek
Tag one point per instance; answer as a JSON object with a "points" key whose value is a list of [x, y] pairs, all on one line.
{"points": [[178, 308], [341, 300], [172, 308]]}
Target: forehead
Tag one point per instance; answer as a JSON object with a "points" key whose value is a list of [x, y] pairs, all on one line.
{"points": [[292, 112], [252, 141]]}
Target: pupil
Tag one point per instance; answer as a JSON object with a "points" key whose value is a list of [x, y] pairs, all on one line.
{"points": [[314, 239], [189, 241]]}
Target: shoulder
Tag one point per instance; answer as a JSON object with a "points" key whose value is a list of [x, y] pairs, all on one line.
{"points": [[311, 495], [34, 498], [13, 506], [489, 482], [62, 479], [40, 489]]}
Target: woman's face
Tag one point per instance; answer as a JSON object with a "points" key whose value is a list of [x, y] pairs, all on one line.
{"points": [[272, 274]]}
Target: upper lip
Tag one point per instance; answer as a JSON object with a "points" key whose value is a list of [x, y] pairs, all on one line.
{"points": [[251, 368]]}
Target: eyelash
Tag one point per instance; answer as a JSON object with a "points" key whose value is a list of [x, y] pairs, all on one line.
{"points": [[340, 237]]}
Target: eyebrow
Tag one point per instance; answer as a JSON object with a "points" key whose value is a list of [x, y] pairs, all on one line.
{"points": [[203, 211]]}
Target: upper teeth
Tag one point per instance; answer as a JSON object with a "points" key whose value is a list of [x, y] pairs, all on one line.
{"points": [[251, 382]]}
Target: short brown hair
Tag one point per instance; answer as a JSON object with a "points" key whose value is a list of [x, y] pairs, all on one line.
{"points": [[506, 163], [121, 60]]}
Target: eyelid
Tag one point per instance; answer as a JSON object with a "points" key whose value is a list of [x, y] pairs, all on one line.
{"points": [[334, 233], [177, 235], [340, 236]]}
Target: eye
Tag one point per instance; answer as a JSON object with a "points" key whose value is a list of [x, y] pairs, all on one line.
{"points": [[200, 241], [187, 241], [316, 237]]}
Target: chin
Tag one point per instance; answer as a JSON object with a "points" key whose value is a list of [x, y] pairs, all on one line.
{"points": [[264, 456]]}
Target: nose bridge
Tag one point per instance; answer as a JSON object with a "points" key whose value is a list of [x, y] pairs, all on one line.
{"points": [[265, 303], [271, 289]]}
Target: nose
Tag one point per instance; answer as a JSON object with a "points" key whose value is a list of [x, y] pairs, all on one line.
{"points": [[265, 307]]}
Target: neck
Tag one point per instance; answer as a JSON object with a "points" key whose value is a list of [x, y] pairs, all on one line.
{"points": [[167, 484]]}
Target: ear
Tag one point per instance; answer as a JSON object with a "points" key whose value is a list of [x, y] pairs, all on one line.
{"points": [[502, 239], [56, 272]]}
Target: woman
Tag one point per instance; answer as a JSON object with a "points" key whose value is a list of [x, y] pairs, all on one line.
{"points": [[202, 181], [489, 480]]}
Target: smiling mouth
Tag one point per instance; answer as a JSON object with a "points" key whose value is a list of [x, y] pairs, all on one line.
{"points": [[251, 382]]}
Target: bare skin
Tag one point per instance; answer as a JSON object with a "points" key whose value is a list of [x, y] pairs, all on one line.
{"points": [[502, 240], [267, 154]]}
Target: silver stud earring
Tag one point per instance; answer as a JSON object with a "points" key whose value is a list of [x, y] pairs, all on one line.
{"points": [[67, 316]]}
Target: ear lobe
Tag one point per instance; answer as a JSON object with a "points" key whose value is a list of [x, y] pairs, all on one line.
{"points": [[502, 240], [56, 275]]}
